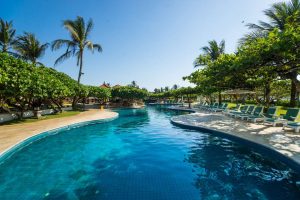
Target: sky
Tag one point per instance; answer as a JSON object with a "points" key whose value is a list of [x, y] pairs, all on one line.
{"points": [[153, 42]]}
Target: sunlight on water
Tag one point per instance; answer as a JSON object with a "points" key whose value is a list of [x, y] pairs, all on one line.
{"points": [[142, 156]]}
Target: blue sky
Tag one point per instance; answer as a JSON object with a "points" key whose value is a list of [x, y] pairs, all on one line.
{"points": [[153, 42]]}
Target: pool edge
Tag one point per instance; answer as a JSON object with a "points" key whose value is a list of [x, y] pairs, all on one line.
{"points": [[7, 153], [261, 148]]}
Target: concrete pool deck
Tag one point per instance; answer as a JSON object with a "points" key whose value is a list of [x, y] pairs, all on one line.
{"points": [[10, 135], [286, 142]]}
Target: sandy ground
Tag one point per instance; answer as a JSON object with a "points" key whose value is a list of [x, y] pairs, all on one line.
{"points": [[11, 135]]}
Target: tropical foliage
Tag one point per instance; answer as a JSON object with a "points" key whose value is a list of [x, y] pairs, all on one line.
{"points": [[176, 93], [210, 53], [128, 92], [7, 36], [266, 57], [29, 48], [25, 86], [79, 32]]}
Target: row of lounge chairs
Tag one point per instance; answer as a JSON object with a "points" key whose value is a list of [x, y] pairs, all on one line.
{"points": [[256, 114]]}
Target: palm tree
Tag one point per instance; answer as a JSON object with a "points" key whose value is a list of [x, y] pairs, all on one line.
{"points": [[133, 84], [156, 90], [79, 32], [278, 15], [29, 48], [7, 35], [212, 52]]}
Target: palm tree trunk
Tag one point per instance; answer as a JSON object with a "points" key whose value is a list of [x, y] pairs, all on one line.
{"points": [[293, 93], [80, 66], [188, 98], [267, 94], [75, 99], [220, 98], [4, 49]]}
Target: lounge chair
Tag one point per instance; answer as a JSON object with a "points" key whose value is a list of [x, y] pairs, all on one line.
{"points": [[216, 107], [235, 109], [289, 118], [271, 113], [224, 107], [248, 112], [293, 125], [243, 110], [257, 113], [199, 105]]}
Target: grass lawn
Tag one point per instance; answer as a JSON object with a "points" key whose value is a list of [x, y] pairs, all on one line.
{"points": [[45, 117]]}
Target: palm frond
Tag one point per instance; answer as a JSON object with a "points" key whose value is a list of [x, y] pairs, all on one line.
{"points": [[98, 47], [266, 26], [7, 35], [255, 26], [222, 47], [89, 27], [214, 50], [71, 27], [206, 50], [79, 33], [57, 44], [63, 57], [29, 47], [89, 44], [250, 37]]}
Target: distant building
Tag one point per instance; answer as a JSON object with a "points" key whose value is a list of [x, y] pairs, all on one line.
{"points": [[105, 85]]}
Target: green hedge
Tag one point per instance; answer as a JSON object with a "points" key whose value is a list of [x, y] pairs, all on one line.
{"points": [[25, 86]]}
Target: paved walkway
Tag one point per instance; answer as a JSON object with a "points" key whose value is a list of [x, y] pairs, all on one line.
{"points": [[284, 141], [11, 135]]}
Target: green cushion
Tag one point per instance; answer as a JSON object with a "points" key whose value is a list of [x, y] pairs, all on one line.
{"points": [[271, 111], [257, 110], [271, 120], [243, 115], [251, 108], [294, 123], [254, 116], [291, 114], [235, 112], [244, 108]]}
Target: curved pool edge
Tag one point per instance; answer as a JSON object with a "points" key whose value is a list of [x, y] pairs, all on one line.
{"points": [[261, 148], [29, 140]]}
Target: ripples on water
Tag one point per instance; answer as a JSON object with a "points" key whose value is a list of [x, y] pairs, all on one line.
{"points": [[141, 156]]}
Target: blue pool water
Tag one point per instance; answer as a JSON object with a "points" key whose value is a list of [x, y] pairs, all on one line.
{"points": [[141, 156]]}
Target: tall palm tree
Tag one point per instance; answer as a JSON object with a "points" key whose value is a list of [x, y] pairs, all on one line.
{"points": [[30, 48], [7, 35], [156, 90], [212, 52], [278, 16], [79, 32], [133, 84]]}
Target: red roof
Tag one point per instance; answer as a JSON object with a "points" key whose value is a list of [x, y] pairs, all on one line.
{"points": [[104, 85]]}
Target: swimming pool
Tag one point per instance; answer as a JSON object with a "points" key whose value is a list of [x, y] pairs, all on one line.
{"points": [[142, 156]]}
